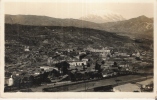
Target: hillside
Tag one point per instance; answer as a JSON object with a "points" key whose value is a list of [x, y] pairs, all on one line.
{"points": [[140, 27], [47, 38], [62, 35], [135, 26]]}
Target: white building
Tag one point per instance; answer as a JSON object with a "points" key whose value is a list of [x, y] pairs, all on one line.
{"points": [[137, 54], [10, 81], [46, 68], [103, 50], [26, 48], [49, 61], [77, 63]]}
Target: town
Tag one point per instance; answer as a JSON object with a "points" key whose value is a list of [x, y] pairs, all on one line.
{"points": [[77, 64]]}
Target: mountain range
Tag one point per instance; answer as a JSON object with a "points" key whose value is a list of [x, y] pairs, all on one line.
{"points": [[103, 18], [141, 26]]}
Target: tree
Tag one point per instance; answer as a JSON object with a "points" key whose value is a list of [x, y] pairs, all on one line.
{"points": [[49, 61], [63, 67], [97, 66], [83, 66], [88, 64], [115, 64], [103, 62]]}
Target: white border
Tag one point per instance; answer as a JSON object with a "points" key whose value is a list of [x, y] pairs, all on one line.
{"points": [[74, 94]]}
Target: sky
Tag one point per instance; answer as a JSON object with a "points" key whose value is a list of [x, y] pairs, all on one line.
{"points": [[78, 9]]}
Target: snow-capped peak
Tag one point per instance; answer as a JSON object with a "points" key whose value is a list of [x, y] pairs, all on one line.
{"points": [[102, 16]]}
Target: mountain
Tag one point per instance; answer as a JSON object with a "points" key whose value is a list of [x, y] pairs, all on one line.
{"points": [[141, 27], [103, 18], [47, 21]]}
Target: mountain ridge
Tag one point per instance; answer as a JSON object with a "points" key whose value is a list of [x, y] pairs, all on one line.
{"points": [[139, 25], [132, 27], [102, 18]]}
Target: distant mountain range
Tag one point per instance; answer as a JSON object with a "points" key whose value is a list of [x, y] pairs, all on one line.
{"points": [[47, 21], [107, 17], [141, 26]]}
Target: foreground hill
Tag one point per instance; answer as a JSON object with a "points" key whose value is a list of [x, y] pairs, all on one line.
{"points": [[62, 35], [141, 27]]}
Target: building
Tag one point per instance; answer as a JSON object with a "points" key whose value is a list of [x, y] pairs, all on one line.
{"points": [[127, 88], [10, 81], [137, 54], [109, 63], [123, 65], [77, 63], [103, 50], [87, 58], [49, 61], [82, 52], [124, 54], [26, 48], [46, 41], [46, 68]]}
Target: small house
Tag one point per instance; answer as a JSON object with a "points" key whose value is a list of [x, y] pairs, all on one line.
{"points": [[77, 63]]}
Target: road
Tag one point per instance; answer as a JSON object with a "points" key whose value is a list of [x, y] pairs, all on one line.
{"points": [[84, 85]]}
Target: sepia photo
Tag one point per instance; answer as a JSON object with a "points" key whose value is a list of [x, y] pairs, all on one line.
{"points": [[80, 47]]}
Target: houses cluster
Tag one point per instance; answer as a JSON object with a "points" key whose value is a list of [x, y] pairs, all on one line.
{"points": [[66, 60]]}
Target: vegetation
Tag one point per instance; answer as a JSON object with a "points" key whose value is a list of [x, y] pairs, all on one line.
{"points": [[45, 40]]}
